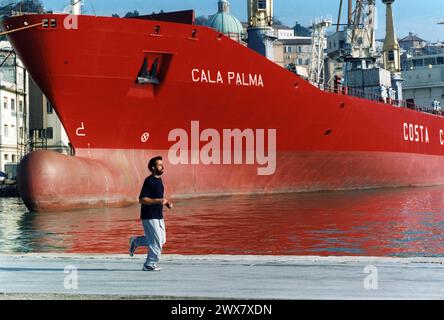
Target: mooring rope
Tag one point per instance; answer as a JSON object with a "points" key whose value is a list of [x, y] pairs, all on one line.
{"points": [[20, 29]]}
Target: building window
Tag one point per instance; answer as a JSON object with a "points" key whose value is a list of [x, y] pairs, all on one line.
{"points": [[262, 4], [5, 103], [20, 79], [299, 61], [13, 105], [13, 158], [391, 56], [440, 60], [49, 108], [6, 157], [418, 62], [429, 61], [6, 131], [21, 132], [20, 106], [49, 133]]}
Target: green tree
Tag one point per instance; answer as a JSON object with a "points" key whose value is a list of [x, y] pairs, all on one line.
{"points": [[301, 31], [201, 20], [130, 14], [277, 22], [34, 6]]}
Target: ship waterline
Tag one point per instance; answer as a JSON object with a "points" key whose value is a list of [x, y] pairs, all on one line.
{"points": [[107, 178]]}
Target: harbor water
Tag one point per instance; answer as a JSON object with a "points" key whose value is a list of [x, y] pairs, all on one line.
{"points": [[407, 222]]}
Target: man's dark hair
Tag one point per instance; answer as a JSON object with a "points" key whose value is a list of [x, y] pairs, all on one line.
{"points": [[152, 163]]}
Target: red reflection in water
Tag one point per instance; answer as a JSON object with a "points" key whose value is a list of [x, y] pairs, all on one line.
{"points": [[403, 222]]}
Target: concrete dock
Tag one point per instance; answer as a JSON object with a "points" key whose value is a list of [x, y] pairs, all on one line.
{"points": [[55, 276]]}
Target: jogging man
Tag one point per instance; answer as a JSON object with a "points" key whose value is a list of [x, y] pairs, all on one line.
{"points": [[152, 202]]}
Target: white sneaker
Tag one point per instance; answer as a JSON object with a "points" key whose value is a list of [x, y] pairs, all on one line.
{"points": [[151, 268]]}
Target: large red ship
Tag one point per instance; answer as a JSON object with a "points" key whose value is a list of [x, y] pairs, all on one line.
{"points": [[226, 119]]}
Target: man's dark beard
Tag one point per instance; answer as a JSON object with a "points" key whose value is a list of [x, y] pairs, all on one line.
{"points": [[157, 172]]}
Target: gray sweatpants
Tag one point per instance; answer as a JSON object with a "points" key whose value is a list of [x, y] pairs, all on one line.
{"points": [[154, 239]]}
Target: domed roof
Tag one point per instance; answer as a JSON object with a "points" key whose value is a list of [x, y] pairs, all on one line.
{"points": [[224, 22]]}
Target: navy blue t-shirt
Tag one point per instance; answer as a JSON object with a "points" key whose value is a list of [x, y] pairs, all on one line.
{"points": [[153, 189]]}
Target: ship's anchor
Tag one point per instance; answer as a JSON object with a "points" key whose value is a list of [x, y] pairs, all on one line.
{"points": [[146, 76]]}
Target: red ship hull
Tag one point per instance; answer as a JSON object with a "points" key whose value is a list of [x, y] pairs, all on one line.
{"points": [[324, 141]]}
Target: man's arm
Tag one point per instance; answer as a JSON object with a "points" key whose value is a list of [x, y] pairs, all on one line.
{"points": [[149, 201]]}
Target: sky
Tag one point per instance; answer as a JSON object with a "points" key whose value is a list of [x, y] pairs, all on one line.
{"points": [[419, 17]]}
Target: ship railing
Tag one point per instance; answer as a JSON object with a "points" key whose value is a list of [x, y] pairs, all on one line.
{"points": [[354, 92]]}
